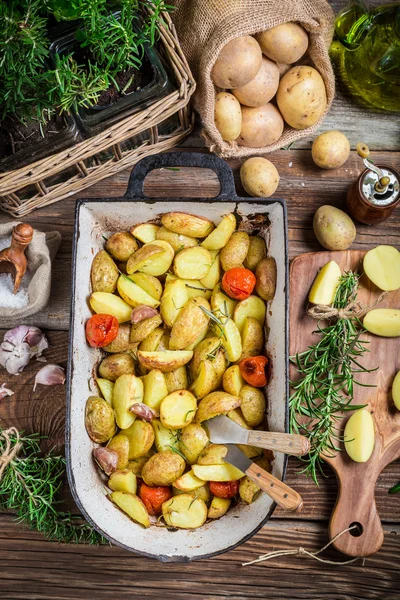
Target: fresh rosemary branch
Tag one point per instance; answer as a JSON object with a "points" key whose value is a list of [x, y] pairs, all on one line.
{"points": [[327, 378], [29, 488]]}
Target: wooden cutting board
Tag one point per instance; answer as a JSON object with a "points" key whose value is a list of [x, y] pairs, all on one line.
{"points": [[356, 497]]}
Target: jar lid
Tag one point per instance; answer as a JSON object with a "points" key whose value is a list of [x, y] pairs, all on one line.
{"points": [[370, 183]]}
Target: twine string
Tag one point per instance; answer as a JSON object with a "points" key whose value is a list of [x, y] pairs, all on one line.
{"points": [[12, 447], [354, 310], [303, 552]]}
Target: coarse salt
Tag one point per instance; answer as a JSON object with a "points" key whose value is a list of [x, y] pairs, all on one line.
{"points": [[7, 297]]}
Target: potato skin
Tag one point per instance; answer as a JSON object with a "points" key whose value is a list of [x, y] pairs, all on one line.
{"points": [[301, 97], [99, 420], [163, 468], [238, 63], [262, 88], [261, 126], [285, 43], [104, 273], [235, 251], [112, 367], [256, 252], [227, 116], [187, 224], [330, 150], [259, 177], [140, 331], [190, 323], [192, 442], [121, 342], [121, 245], [333, 228], [253, 405], [266, 278]]}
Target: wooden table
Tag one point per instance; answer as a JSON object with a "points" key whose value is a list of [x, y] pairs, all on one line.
{"points": [[34, 569]]}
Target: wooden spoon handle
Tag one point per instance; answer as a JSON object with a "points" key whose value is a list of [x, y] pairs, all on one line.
{"points": [[281, 493], [289, 443]]}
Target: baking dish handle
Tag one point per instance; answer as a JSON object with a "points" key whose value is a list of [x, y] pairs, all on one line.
{"points": [[181, 159]]}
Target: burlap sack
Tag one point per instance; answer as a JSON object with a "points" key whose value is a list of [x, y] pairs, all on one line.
{"points": [[205, 26], [40, 253]]}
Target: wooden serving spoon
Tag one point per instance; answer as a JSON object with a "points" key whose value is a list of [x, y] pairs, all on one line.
{"points": [[13, 259]]}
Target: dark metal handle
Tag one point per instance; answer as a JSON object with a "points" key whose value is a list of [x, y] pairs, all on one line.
{"points": [[181, 159]]}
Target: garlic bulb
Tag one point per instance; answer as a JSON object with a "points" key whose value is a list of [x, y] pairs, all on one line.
{"points": [[50, 375], [19, 346]]}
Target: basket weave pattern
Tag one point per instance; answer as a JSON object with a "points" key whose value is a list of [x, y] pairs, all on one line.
{"points": [[78, 167]]}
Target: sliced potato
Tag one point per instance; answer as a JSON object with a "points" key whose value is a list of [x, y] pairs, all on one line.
{"points": [[222, 306], [128, 390], [152, 342], [237, 416], [120, 444], [235, 251], [123, 480], [214, 454], [206, 381], [216, 403], [112, 367], [190, 323], [203, 493], [253, 405], [109, 304], [173, 300], [231, 340], [106, 388], [136, 465], [218, 507], [158, 265], [163, 468], [140, 331], [233, 381], [184, 511], [383, 321], [104, 273], [122, 342], [178, 409], [141, 438], [166, 360], [155, 389], [251, 307], [186, 224], [131, 505], [192, 442], [148, 283], [146, 232], [256, 253], [176, 380], [141, 257], [382, 267], [214, 274], [252, 338], [188, 482], [177, 240], [221, 234], [209, 349], [165, 438], [225, 472], [192, 263]]}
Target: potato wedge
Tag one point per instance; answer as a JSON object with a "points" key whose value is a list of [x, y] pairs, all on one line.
{"points": [[132, 506], [214, 454], [237, 416], [250, 451], [121, 245], [120, 444], [206, 381], [176, 240], [99, 420], [146, 232], [209, 349], [188, 482], [128, 389], [214, 274], [176, 380], [190, 323], [123, 480], [266, 278], [222, 306], [104, 273], [382, 267], [251, 307], [173, 300], [253, 405], [140, 331], [158, 264], [178, 409], [115, 365], [165, 438], [186, 224], [106, 388], [235, 251], [136, 465], [248, 490], [184, 511], [153, 340], [383, 321], [141, 258], [141, 438], [163, 468], [155, 389], [193, 287], [192, 442], [122, 342], [203, 493], [197, 341], [109, 304], [133, 294], [225, 472], [216, 403], [166, 360], [233, 381], [231, 340], [221, 234], [151, 285], [252, 338], [192, 263], [256, 253], [218, 507]]}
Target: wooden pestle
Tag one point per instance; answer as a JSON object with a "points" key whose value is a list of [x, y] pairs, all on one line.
{"points": [[13, 259]]}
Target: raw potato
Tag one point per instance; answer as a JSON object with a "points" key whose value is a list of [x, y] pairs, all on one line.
{"points": [[330, 150], [176, 240], [192, 442], [192, 263], [128, 390], [233, 380], [235, 251], [396, 391], [188, 482], [221, 234], [214, 454], [178, 409], [120, 445], [191, 322], [104, 273], [259, 178], [382, 267], [261, 126], [285, 43], [163, 468], [256, 253], [106, 388], [155, 389], [121, 245], [231, 341], [173, 300], [252, 338], [266, 278], [109, 304], [99, 420], [359, 436], [218, 507], [184, 511], [206, 381], [251, 307], [176, 380], [214, 274], [133, 294], [238, 63], [214, 404], [112, 367], [123, 481], [262, 88], [165, 438], [145, 233], [141, 438], [148, 283], [166, 360], [383, 321], [227, 116], [223, 472], [325, 284], [301, 97], [187, 224], [131, 505], [333, 228], [122, 342], [253, 405]]}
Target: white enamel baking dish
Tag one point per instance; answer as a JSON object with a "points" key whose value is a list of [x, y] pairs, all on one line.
{"points": [[95, 218]]}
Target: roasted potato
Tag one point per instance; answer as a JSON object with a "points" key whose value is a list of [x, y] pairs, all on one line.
{"points": [[214, 454], [121, 245], [163, 468], [225, 472], [145, 232], [203, 493], [153, 341], [133, 294], [256, 253], [218, 507], [214, 274], [209, 349], [136, 465], [222, 306], [227, 116], [140, 331], [154, 258], [184, 511], [104, 273], [106, 387], [301, 97], [190, 323], [192, 263], [248, 490], [252, 338], [155, 389], [122, 342], [151, 285], [173, 300], [99, 420], [109, 304], [123, 480], [238, 62], [192, 442], [261, 126], [120, 445], [112, 367], [253, 405], [141, 438], [188, 482], [176, 240], [218, 238], [166, 360], [186, 224], [231, 340], [206, 381], [237, 416], [232, 380], [165, 438], [214, 404], [131, 505], [178, 409], [235, 251], [176, 380], [128, 390], [382, 267], [266, 279]]}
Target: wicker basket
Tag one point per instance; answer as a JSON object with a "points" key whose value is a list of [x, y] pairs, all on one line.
{"points": [[78, 167]]}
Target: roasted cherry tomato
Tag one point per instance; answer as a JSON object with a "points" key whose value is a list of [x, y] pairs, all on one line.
{"points": [[238, 283], [101, 330], [253, 370], [224, 489], [154, 497]]}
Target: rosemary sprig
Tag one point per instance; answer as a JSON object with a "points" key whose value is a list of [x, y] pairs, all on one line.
{"points": [[325, 387], [29, 487]]}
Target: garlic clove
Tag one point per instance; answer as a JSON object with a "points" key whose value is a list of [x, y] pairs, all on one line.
{"points": [[15, 360], [19, 345], [50, 375], [143, 411], [4, 392]]}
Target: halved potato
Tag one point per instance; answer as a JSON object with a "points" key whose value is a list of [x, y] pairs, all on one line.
{"points": [[222, 306], [254, 307], [256, 253], [214, 274], [141, 438], [123, 480], [158, 265], [173, 300], [252, 338], [151, 285], [233, 381], [120, 444], [193, 440], [110, 304], [146, 232], [186, 224], [122, 342], [231, 340], [178, 409], [155, 389], [165, 438], [192, 263], [214, 454], [218, 507], [153, 341], [382, 267], [221, 234], [166, 360], [188, 482], [225, 472], [206, 381], [216, 403], [106, 388], [193, 286], [190, 323], [253, 405], [177, 240], [163, 468], [383, 321], [203, 493], [209, 349], [104, 273], [142, 257], [176, 380], [140, 331], [184, 511], [235, 251], [237, 416], [199, 339], [128, 390], [131, 505]]}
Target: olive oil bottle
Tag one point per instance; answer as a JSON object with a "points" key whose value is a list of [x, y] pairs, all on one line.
{"points": [[368, 53]]}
